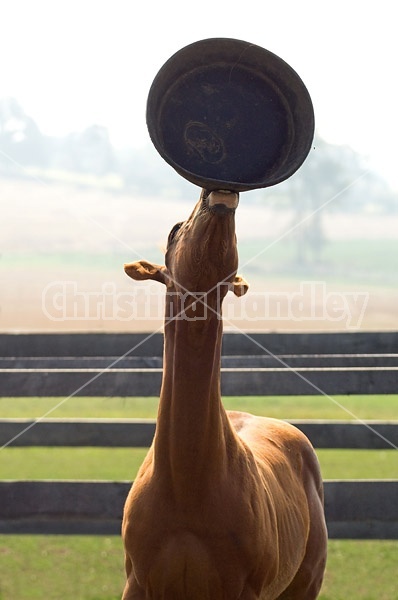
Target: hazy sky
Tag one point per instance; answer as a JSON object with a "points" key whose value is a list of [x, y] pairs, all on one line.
{"points": [[74, 63]]}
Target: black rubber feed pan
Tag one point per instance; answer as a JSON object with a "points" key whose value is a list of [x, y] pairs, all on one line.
{"points": [[227, 114]]}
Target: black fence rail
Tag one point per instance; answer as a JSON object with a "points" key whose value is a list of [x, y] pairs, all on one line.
{"points": [[354, 509], [128, 433], [151, 344], [131, 365], [255, 364]]}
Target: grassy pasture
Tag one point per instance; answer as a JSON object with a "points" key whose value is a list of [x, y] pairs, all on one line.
{"points": [[91, 567], [370, 262], [382, 407], [123, 463]]}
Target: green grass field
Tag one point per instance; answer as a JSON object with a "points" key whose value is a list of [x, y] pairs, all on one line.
{"points": [[122, 463], [367, 261], [283, 407], [370, 261], [91, 568]]}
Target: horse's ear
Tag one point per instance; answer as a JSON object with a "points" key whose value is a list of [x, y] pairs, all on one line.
{"points": [[142, 270], [239, 286]]}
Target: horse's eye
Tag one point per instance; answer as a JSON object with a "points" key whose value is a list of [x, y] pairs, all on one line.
{"points": [[173, 232]]}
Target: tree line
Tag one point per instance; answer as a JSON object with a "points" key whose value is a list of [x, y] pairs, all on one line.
{"points": [[328, 169]]}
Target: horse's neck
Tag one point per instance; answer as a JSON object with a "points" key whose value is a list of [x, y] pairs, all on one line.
{"points": [[192, 427]]}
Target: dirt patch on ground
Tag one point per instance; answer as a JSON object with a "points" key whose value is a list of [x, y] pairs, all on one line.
{"points": [[35, 299]]}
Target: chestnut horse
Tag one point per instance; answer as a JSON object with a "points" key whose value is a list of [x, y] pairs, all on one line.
{"points": [[227, 505]]}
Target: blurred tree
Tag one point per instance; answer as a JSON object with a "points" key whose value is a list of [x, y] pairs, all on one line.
{"points": [[21, 142], [333, 178]]}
